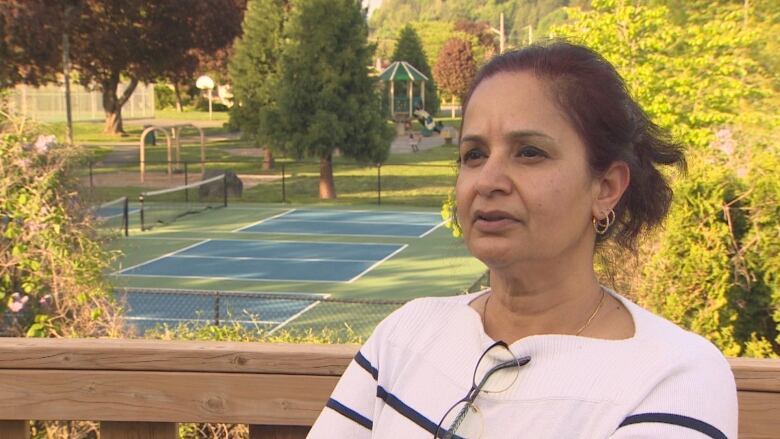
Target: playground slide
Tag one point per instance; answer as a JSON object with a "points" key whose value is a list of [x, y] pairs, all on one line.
{"points": [[427, 121]]}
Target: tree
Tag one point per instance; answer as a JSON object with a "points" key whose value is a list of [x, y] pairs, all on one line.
{"points": [[455, 69], [111, 40], [710, 268], [409, 49], [253, 66], [324, 97]]}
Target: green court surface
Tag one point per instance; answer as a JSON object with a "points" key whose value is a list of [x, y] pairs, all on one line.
{"points": [[222, 250]]}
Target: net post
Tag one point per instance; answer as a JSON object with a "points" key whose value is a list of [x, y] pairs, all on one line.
{"points": [[216, 309], [284, 192], [126, 216], [186, 182], [224, 189], [141, 211], [378, 184]]}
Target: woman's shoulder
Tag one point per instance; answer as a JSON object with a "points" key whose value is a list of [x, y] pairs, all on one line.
{"points": [[669, 340], [424, 315]]}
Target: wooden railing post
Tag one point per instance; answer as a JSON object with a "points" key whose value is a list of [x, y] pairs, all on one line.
{"points": [[14, 430], [138, 430], [278, 432]]}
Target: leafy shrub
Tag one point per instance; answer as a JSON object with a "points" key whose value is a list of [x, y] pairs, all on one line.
{"points": [[51, 260], [164, 97]]}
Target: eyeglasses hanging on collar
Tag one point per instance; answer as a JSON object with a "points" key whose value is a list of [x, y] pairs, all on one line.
{"points": [[496, 371]]}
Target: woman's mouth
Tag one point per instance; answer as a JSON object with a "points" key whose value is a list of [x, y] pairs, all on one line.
{"points": [[493, 221]]}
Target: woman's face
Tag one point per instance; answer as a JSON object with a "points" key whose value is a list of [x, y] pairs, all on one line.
{"points": [[524, 192]]}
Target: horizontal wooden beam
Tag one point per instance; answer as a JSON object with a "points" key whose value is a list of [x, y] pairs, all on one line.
{"points": [[756, 374], [161, 355], [264, 399]]}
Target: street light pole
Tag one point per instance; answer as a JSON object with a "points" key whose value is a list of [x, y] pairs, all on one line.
{"points": [[66, 74], [501, 34]]}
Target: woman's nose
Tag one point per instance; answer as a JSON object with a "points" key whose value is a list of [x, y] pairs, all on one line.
{"points": [[493, 177]]}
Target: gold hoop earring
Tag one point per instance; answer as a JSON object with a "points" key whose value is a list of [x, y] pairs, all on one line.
{"points": [[601, 225]]}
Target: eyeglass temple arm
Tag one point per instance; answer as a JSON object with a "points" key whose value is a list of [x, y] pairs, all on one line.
{"points": [[517, 362]]}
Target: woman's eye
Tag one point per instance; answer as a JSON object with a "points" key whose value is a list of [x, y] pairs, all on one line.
{"points": [[471, 155], [531, 152]]}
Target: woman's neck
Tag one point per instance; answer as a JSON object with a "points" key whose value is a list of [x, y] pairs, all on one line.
{"points": [[539, 301]]}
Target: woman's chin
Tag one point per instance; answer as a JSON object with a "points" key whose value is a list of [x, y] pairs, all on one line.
{"points": [[495, 254]]}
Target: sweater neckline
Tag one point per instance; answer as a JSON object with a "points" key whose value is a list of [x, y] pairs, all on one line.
{"points": [[555, 338]]}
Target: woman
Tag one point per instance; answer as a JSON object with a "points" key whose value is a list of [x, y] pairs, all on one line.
{"points": [[555, 157]]}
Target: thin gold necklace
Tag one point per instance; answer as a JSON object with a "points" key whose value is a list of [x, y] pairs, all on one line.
{"points": [[579, 331]]}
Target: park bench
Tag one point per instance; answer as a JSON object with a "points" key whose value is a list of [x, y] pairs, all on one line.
{"points": [[142, 388]]}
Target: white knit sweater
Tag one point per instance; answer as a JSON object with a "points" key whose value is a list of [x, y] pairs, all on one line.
{"points": [[664, 382]]}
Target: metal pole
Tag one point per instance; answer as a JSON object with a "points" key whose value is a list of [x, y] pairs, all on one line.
{"points": [[66, 74], [224, 189], [216, 309], [186, 182], [284, 192], [141, 213], [91, 183], [378, 183], [126, 214]]}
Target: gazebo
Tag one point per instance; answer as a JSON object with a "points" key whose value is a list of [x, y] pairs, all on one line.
{"points": [[404, 105]]}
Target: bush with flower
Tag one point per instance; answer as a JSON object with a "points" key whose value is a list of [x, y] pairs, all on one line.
{"points": [[51, 258]]}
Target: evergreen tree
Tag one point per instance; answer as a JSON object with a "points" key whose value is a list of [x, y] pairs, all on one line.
{"points": [[254, 63], [409, 49], [324, 97]]}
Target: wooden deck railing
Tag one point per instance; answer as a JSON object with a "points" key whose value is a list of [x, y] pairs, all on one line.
{"points": [[142, 388]]}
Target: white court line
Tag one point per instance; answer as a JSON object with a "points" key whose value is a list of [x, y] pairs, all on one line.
{"points": [[377, 263], [250, 258], [333, 234], [185, 291], [270, 240], [175, 319], [263, 220], [298, 314], [431, 231], [168, 276], [161, 257], [396, 223], [413, 212]]}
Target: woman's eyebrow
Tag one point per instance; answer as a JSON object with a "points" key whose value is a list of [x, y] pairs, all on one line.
{"points": [[520, 134]]}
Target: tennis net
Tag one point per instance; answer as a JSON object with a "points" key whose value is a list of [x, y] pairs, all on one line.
{"points": [[167, 205], [113, 216]]}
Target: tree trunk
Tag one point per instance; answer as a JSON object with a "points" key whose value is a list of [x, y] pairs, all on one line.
{"points": [[112, 105], [177, 93], [327, 185], [452, 107], [268, 159]]}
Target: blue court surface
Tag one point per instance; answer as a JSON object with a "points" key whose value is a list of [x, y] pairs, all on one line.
{"points": [[348, 223], [146, 309], [268, 261]]}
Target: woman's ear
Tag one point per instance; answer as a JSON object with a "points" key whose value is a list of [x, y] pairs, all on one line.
{"points": [[610, 186]]}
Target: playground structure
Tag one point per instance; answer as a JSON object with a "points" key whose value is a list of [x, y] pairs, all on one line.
{"points": [[175, 134], [406, 107]]}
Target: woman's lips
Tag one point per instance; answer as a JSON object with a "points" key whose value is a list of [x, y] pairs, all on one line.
{"points": [[493, 221]]}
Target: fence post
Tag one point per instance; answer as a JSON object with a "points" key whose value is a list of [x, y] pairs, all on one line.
{"points": [[14, 429], [126, 215], [141, 210], [216, 309], [378, 184], [91, 184], [186, 182], [284, 192], [224, 189]]}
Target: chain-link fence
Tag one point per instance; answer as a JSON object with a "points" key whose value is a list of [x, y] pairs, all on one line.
{"points": [[47, 103], [146, 309], [417, 184]]}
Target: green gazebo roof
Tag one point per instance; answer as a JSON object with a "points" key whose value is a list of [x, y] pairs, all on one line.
{"points": [[402, 71]]}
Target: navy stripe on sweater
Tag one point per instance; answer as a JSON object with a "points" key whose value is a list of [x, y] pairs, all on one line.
{"points": [[365, 364], [682, 421], [349, 413]]}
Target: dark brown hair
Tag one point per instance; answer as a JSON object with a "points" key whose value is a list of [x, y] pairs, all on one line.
{"points": [[591, 93]]}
